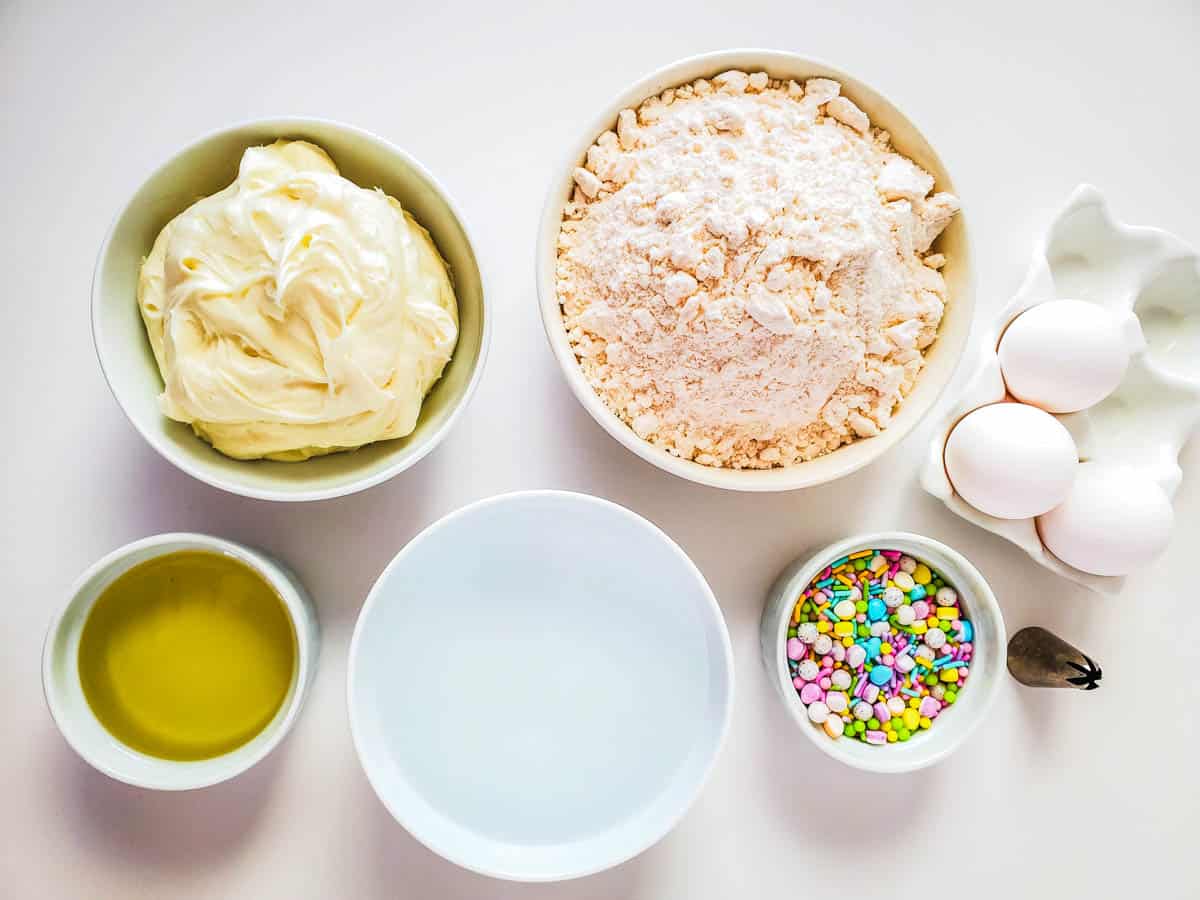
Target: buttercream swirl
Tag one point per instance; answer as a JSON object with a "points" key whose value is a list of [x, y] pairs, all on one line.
{"points": [[294, 313]]}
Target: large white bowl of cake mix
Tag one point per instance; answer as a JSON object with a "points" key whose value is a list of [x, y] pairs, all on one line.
{"points": [[539, 685], [717, 320]]}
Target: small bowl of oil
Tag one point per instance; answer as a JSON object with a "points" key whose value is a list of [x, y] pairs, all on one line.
{"points": [[180, 660]]}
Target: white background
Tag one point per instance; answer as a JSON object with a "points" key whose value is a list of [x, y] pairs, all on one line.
{"points": [[1060, 794]]}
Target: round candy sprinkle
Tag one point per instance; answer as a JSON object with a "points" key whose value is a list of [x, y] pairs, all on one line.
{"points": [[810, 693], [878, 647]]}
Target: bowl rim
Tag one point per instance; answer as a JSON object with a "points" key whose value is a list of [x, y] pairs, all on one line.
{"points": [[716, 616], [201, 472], [774, 634], [299, 611], [788, 478]]}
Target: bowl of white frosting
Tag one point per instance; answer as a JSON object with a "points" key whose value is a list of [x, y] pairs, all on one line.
{"points": [[290, 309], [754, 271]]}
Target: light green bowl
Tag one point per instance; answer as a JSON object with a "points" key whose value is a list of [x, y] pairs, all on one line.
{"points": [[206, 166]]}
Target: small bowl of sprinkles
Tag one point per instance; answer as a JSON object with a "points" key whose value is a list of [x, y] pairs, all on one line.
{"points": [[886, 648]]}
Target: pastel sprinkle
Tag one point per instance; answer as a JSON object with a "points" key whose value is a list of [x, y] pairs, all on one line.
{"points": [[875, 628]]}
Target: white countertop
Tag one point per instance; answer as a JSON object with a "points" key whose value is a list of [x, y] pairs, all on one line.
{"points": [[1059, 794]]}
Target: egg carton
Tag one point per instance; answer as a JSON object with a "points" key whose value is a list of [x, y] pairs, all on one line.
{"points": [[1151, 279]]}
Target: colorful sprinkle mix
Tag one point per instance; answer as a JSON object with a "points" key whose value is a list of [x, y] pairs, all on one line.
{"points": [[878, 647]]}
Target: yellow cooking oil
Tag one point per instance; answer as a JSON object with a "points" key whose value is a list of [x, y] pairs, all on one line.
{"points": [[187, 656]]}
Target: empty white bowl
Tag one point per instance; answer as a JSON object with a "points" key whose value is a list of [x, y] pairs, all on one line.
{"points": [[539, 685], [941, 359], [92, 741], [208, 165], [974, 700]]}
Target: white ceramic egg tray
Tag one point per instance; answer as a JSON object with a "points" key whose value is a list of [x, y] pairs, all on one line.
{"points": [[1086, 254]]}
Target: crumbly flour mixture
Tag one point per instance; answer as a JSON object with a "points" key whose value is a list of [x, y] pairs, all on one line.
{"points": [[745, 270]]}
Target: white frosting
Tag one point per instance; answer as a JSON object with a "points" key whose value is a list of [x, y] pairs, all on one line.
{"points": [[294, 313]]}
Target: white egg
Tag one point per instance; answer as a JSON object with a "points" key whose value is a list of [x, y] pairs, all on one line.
{"points": [[1063, 356], [1114, 521], [1011, 461]]}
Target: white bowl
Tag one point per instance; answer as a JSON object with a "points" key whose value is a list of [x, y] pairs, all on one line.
{"points": [[987, 664], [941, 359], [539, 685], [204, 167], [79, 725]]}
